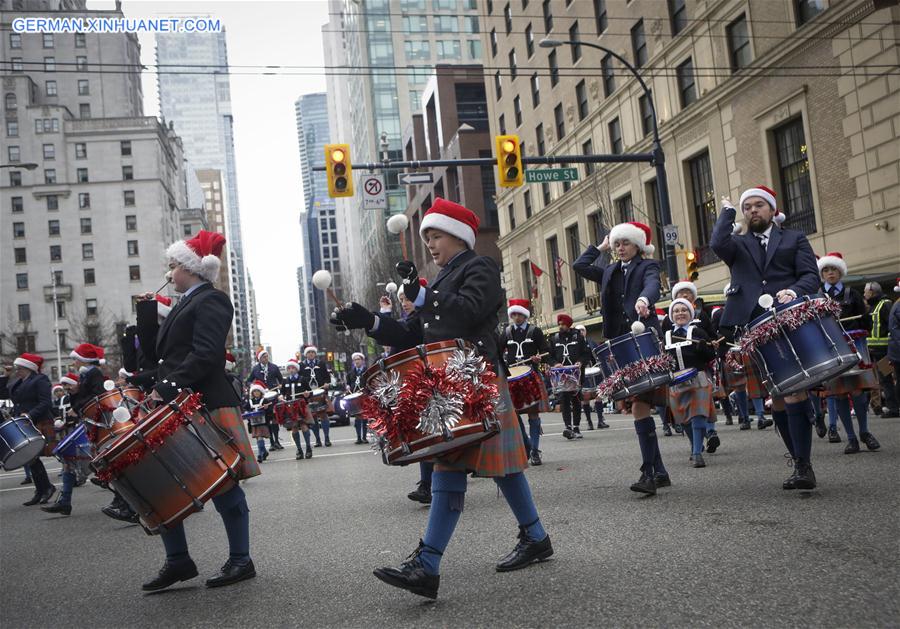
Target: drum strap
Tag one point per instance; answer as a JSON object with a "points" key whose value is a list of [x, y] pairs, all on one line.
{"points": [[677, 346]]}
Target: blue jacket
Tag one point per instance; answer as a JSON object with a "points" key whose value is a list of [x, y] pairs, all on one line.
{"points": [[30, 396], [893, 351], [789, 263], [270, 374]]}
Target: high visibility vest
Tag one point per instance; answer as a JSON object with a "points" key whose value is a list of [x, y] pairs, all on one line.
{"points": [[879, 336]]}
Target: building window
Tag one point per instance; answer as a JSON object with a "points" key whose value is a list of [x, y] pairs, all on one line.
{"points": [[50, 88], [15, 179], [12, 129], [417, 49], [517, 110], [24, 312], [574, 251], [587, 148], [25, 343], [546, 197], [21, 281], [50, 176], [84, 200], [507, 18], [526, 196], [512, 64], [132, 248], [82, 175], [552, 257], [687, 86], [739, 52], [20, 255], [48, 40], [49, 64], [449, 49], [90, 307], [678, 15], [646, 114], [582, 98], [560, 122], [529, 40], [624, 208], [498, 85], [793, 175], [471, 25], [18, 230], [61, 313], [49, 151], [575, 46], [17, 204], [511, 210], [87, 251], [15, 40], [527, 273], [56, 253], [539, 138], [554, 68], [127, 173], [131, 224], [548, 16], [188, 231], [600, 16], [808, 9], [474, 49], [80, 150], [609, 79], [80, 41], [493, 42], [125, 148], [134, 272], [86, 227], [535, 90], [703, 200], [16, 63], [501, 123], [81, 64], [84, 87], [89, 277], [639, 44], [446, 24], [53, 227], [616, 145], [128, 197], [14, 153], [52, 202]]}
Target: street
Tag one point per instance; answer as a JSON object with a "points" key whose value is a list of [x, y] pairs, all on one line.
{"points": [[725, 546]]}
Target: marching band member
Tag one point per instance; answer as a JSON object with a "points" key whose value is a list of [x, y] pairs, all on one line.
{"points": [[568, 348], [315, 375], [629, 288], [461, 302], [267, 373], [292, 390], [597, 402], [780, 263], [356, 383], [832, 269], [190, 345], [692, 401], [260, 432], [525, 343], [30, 395]]}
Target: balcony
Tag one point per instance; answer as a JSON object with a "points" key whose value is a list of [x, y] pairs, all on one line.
{"points": [[63, 292]]}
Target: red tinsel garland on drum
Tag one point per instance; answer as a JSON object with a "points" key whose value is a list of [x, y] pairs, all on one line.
{"points": [[525, 391], [791, 318], [153, 440], [629, 373]]}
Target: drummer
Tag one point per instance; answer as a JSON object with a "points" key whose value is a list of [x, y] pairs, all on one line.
{"points": [[253, 404], [190, 347], [597, 402], [569, 349], [629, 288], [30, 395], [462, 302], [291, 393], [314, 375], [691, 401], [355, 384], [832, 269], [778, 262]]}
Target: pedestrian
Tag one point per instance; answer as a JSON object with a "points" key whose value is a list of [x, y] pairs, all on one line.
{"points": [[316, 381], [880, 309], [355, 384], [270, 375]]}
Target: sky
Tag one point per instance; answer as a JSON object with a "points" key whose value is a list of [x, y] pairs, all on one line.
{"points": [[266, 149]]}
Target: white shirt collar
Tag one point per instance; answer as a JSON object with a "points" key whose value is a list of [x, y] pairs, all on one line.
{"points": [[766, 234], [193, 288]]}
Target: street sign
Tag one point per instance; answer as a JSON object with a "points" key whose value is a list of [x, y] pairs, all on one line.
{"points": [[374, 194], [414, 179], [670, 234], [541, 175]]}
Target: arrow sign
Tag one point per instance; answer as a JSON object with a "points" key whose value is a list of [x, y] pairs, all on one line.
{"points": [[413, 179]]}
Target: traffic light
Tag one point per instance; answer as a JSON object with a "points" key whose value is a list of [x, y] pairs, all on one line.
{"points": [[339, 170], [509, 161], [693, 264]]}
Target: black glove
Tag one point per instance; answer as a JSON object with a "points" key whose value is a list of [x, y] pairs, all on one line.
{"points": [[352, 317], [410, 276]]}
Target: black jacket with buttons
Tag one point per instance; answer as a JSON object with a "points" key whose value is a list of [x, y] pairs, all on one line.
{"points": [[315, 377], [696, 355], [461, 302], [30, 396], [573, 341], [531, 340], [90, 385]]}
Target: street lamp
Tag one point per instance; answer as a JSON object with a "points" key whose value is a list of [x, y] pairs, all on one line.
{"points": [[659, 158], [25, 165]]}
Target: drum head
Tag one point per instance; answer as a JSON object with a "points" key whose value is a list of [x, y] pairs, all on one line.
{"points": [[24, 454], [683, 375], [592, 371], [354, 396], [519, 371]]}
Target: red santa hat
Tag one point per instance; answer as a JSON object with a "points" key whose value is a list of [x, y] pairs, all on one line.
{"points": [[519, 306], [768, 195], [29, 361], [684, 284], [310, 348], [293, 363], [200, 254], [260, 354], [563, 319], [88, 353], [258, 385], [70, 378], [358, 355], [230, 362], [451, 218], [835, 260], [633, 232], [163, 306], [54, 388], [683, 302], [660, 314]]}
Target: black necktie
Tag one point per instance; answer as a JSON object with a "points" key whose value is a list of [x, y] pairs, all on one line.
{"points": [[833, 291]]}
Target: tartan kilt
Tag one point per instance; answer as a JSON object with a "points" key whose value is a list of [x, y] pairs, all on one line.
{"points": [[753, 374], [530, 389], [501, 455], [734, 380], [228, 418], [260, 432], [691, 399], [848, 385]]}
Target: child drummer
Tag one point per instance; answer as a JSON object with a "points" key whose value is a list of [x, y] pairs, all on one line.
{"points": [[629, 288], [461, 302], [568, 348], [355, 384], [292, 389], [259, 431]]}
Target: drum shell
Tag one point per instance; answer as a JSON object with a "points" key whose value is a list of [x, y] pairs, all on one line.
{"points": [[353, 404], [625, 350], [99, 410], [318, 401], [20, 442], [860, 339], [76, 446], [565, 379]]}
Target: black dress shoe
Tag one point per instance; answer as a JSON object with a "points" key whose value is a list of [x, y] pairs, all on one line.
{"points": [[124, 514], [57, 507], [359, 441], [411, 576], [309, 453], [662, 481], [804, 477], [318, 444], [232, 572], [729, 421], [667, 430], [768, 422], [833, 436], [679, 429], [27, 481], [602, 424], [646, 484], [36, 498], [870, 440], [821, 429], [890, 414], [745, 424], [536, 457], [568, 433], [299, 455], [327, 443], [422, 493], [99, 483], [526, 552], [852, 445], [713, 443], [171, 573], [45, 497]]}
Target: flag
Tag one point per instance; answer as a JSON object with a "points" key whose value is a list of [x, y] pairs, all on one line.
{"points": [[557, 267], [536, 270]]}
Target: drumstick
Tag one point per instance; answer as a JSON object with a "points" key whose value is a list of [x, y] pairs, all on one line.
{"points": [[168, 281], [522, 362], [851, 318]]}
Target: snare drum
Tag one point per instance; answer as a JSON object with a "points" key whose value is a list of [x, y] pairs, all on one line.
{"points": [[99, 411], [318, 401], [352, 403], [414, 446], [860, 338], [566, 379], [256, 418], [593, 376], [683, 375], [627, 350], [20, 442], [75, 447], [170, 464], [526, 387]]}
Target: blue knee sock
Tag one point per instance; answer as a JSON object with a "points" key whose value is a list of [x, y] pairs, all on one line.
{"points": [[326, 428], [232, 507], [740, 400], [534, 428], [833, 412], [861, 406], [800, 427], [175, 543], [518, 496], [68, 484], [261, 446], [710, 426], [698, 428], [315, 429], [296, 437], [781, 424], [759, 406], [448, 493], [842, 405], [651, 460], [306, 439], [426, 471]]}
